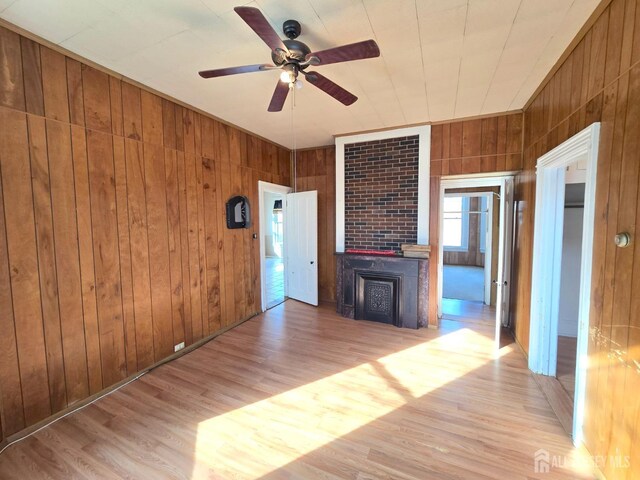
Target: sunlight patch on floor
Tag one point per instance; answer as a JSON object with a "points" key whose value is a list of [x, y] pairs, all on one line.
{"points": [[299, 421]]}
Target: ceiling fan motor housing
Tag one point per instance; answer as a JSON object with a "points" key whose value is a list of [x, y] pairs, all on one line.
{"points": [[291, 29], [297, 52]]}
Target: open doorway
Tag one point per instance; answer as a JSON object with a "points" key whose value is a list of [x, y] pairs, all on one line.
{"points": [[274, 248], [561, 277], [272, 243], [469, 258], [474, 261], [569, 289]]}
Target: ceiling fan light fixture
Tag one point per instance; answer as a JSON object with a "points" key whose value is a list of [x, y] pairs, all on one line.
{"points": [[285, 77], [289, 73]]}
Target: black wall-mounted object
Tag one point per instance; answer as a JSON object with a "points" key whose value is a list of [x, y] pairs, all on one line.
{"points": [[238, 212]]}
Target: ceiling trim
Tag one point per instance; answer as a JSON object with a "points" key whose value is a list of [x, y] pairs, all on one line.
{"points": [[57, 48], [602, 6]]}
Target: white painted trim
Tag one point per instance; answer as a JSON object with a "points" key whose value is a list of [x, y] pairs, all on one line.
{"points": [[488, 250], [264, 187], [424, 159], [547, 244]]}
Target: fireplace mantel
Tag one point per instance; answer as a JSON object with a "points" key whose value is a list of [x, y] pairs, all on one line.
{"points": [[413, 287]]}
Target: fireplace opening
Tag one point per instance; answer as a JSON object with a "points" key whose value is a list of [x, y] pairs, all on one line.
{"points": [[378, 297]]}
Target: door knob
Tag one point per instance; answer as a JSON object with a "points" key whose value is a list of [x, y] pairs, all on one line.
{"points": [[311, 262]]}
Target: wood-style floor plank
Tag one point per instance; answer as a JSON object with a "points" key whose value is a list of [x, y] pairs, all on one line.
{"points": [[301, 393]]}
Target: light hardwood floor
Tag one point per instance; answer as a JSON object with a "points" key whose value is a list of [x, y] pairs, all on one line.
{"points": [[301, 393], [466, 311]]}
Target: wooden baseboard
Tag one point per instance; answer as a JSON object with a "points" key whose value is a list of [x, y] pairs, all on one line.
{"points": [[558, 398]]}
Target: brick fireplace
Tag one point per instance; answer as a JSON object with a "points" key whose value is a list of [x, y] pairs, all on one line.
{"points": [[381, 193], [382, 202]]}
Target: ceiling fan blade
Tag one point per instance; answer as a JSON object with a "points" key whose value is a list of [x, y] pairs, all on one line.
{"points": [[346, 53], [279, 96], [259, 24], [331, 88], [223, 72]]}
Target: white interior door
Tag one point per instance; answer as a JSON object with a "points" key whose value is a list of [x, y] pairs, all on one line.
{"points": [[301, 246], [503, 278]]}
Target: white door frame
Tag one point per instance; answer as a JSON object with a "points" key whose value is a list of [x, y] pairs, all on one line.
{"points": [[471, 181], [488, 238], [547, 253], [266, 187], [488, 250]]}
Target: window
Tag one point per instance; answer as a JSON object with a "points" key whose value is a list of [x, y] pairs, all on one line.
{"points": [[455, 223], [483, 222]]}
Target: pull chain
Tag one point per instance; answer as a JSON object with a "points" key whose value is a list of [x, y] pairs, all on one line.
{"points": [[293, 135]]}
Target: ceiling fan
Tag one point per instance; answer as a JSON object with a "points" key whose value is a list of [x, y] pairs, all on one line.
{"points": [[293, 57]]}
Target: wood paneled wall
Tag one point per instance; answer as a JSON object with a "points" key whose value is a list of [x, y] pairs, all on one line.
{"points": [[492, 144], [113, 245], [481, 145], [469, 146], [598, 82], [315, 169]]}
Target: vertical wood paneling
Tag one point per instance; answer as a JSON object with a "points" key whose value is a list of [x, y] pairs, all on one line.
{"points": [[97, 103], [174, 245], [124, 249], [490, 144], [131, 111], [168, 124], [66, 241], [115, 99], [211, 213], [47, 261], [194, 247], [31, 65], [54, 70], [152, 131], [221, 227], [605, 88], [12, 86], [184, 244], [204, 306], [75, 91], [227, 238], [115, 246], [86, 255], [23, 264], [137, 206], [106, 259], [155, 189], [11, 413], [251, 246]]}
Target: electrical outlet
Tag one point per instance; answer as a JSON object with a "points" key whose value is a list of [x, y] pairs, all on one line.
{"points": [[179, 346]]}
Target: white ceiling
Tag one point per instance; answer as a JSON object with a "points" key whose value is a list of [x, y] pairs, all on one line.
{"points": [[441, 59]]}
